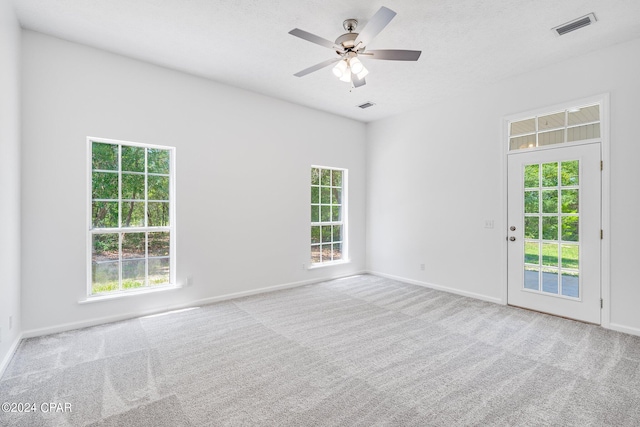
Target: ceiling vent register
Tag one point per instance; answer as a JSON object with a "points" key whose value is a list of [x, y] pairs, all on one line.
{"points": [[366, 105], [575, 24]]}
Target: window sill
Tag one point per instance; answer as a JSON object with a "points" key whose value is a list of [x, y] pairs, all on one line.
{"points": [[328, 264], [107, 297]]}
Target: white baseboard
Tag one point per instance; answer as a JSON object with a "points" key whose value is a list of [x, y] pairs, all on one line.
{"points": [[9, 355], [625, 329], [204, 301], [439, 287]]}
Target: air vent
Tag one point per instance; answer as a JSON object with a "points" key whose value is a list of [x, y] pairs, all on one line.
{"points": [[575, 24], [366, 105]]}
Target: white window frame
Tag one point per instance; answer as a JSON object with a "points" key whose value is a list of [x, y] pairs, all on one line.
{"points": [[343, 223], [118, 230]]}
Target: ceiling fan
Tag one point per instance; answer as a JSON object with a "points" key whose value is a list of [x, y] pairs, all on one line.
{"points": [[350, 46]]}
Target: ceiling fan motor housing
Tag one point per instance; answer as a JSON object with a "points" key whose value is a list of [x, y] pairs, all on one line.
{"points": [[347, 40]]}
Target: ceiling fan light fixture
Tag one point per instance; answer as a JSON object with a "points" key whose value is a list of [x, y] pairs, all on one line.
{"points": [[346, 77], [356, 65], [362, 73], [341, 69]]}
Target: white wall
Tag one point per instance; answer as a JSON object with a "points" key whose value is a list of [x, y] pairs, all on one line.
{"points": [[243, 170], [436, 174], [9, 180]]}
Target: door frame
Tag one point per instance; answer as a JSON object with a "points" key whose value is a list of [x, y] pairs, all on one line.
{"points": [[605, 243]]}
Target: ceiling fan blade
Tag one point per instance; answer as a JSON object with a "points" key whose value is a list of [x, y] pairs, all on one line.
{"points": [[393, 54], [376, 24], [316, 67], [356, 81], [314, 39]]}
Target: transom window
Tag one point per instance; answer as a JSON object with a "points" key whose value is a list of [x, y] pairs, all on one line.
{"points": [[328, 213], [570, 125], [131, 231]]}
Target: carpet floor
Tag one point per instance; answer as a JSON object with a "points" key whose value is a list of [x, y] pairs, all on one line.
{"points": [[358, 351]]}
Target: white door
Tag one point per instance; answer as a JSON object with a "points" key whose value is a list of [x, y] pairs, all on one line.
{"points": [[554, 208]]}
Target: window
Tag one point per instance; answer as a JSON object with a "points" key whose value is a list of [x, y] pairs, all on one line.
{"points": [[570, 125], [131, 231], [328, 215]]}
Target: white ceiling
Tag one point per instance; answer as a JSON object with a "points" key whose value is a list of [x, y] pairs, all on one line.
{"points": [[245, 43]]}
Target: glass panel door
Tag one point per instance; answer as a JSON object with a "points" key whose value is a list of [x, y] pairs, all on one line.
{"points": [[554, 231]]}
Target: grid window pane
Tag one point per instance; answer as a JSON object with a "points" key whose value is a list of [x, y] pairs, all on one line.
{"points": [[532, 227], [523, 126], [551, 121], [521, 142], [104, 185], [584, 115], [159, 271], [104, 156], [132, 186], [132, 214], [531, 176], [104, 277], [134, 274], [158, 160], [133, 245], [158, 214], [104, 214], [159, 244], [336, 178], [325, 177], [570, 173], [580, 133], [133, 159], [158, 187]]}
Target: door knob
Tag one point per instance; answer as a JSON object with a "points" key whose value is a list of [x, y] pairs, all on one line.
{"points": [[512, 228], [512, 238]]}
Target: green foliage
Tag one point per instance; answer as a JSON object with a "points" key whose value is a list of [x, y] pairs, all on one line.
{"points": [[569, 172], [550, 228], [550, 174], [133, 158], [105, 246], [531, 201], [531, 176], [104, 214], [104, 156], [550, 201], [315, 234], [315, 176], [158, 187], [570, 201], [158, 161], [132, 186], [104, 185], [531, 227], [570, 232], [336, 178], [325, 178]]}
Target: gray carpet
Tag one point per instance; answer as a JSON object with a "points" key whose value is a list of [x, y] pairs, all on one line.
{"points": [[359, 351]]}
